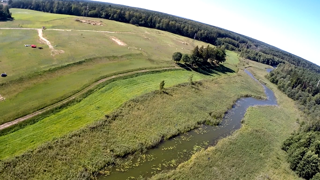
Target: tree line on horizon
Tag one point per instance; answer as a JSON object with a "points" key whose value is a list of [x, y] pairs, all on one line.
{"points": [[248, 47]]}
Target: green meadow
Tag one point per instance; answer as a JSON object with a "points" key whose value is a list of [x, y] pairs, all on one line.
{"points": [[50, 87], [19, 61], [89, 110], [127, 114], [36, 78], [253, 151], [138, 124]]}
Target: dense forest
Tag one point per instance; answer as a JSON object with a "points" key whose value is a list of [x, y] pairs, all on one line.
{"points": [[303, 147], [4, 12], [302, 86], [249, 48]]}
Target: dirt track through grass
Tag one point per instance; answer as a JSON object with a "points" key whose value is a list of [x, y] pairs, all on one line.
{"points": [[92, 86], [140, 123], [90, 109]]}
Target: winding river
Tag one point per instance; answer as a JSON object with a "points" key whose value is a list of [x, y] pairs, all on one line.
{"points": [[171, 153]]}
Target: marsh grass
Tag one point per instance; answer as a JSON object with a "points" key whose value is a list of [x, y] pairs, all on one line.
{"points": [[101, 101], [252, 152], [135, 126]]}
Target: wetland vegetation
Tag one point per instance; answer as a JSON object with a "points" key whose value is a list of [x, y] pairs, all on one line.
{"points": [[110, 126]]}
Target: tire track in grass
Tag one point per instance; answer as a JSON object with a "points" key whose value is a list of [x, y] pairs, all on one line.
{"points": [[60, 103]]}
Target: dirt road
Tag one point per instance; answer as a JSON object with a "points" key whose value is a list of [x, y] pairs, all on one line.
{"points": [[83, 91], [53, 51], [43, 39]]}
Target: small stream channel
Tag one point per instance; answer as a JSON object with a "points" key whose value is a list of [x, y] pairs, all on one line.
{"points": [[169, 154]]}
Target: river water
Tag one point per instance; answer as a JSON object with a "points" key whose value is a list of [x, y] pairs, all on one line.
{"points": [[169, 154]]}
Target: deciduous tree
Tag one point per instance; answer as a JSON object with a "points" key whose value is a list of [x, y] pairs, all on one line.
{"points": [[177, 56]]}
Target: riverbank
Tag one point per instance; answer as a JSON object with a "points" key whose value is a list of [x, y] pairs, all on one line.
{"points": [[172, 152], [136, 126], [252, 152]]}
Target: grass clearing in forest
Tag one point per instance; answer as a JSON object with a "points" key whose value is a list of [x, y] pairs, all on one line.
{"points": [[138, 124], [253, 151], [232, 57]]}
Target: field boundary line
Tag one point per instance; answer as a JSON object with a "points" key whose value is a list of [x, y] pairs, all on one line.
{"points": [[69, 30], [78, 94]]}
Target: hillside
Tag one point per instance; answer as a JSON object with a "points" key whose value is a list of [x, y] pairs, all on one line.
{"points": [[98, 96], [250, 48]]}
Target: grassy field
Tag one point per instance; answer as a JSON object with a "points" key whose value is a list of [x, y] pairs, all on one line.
{"points": [[19, 61], [138, 124], [89, 110], [254, 151], [50, 87], [55, 148], [30, 86], [232, 57]]}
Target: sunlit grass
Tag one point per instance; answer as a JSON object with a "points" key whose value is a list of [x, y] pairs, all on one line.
{"points": [[232, 57], [89, 110], [32, 94], [252, 152], [138, 124], [18, 61]]}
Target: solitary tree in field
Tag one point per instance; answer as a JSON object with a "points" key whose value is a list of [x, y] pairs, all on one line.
{"points": [[177, 56], [161, 86], [186, 58]]}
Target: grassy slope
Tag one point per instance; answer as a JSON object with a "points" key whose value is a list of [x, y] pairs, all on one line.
{"points": [[20, 61], [36, 91], [50, 87], [139, 124], [89, 110], [253, 152], [232, 57]]}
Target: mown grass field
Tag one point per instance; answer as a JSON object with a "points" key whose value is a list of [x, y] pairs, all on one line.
{"points": [[40, 91], [254, 151], [138, 124], [89, 110], [30, 86], [19, 61]]}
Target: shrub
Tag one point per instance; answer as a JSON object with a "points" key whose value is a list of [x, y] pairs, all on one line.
{"points": [[177, 56], [309, 165]]}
